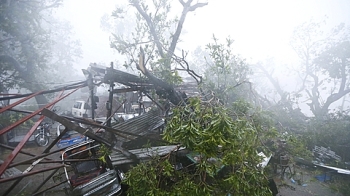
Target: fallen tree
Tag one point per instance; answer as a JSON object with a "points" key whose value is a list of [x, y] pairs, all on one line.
{"points": [[223, 149]]}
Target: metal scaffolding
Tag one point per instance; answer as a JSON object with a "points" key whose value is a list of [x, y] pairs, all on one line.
{"points": [[43, 162]]}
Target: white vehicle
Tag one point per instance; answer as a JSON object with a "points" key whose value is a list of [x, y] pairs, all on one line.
{"points": [[81, 109]]}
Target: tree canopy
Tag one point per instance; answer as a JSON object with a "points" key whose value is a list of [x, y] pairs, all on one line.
{"points": [[226, 144], [324, 65], [321, 77], [34, 45], [155, 31]]}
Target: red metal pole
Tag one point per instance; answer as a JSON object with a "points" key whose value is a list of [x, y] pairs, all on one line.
{"points": [[6, 129], [22, 151], [18, 102], [14, 153]]}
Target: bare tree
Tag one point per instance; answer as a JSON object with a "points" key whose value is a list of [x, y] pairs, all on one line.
{"points": [[154, 31], [325, 65]]}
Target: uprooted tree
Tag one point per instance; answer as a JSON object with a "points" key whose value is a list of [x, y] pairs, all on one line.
{"points": [[232, 137]]}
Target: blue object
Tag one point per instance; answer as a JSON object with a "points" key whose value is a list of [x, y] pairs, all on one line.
{"points": [[323, 177], [292, 180], [70, 138]]}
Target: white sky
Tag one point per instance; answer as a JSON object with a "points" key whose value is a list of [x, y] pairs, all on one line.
{"points": [[260, 28]]}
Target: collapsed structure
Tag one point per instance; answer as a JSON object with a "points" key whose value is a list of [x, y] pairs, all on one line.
{"points": [[140, 126]]}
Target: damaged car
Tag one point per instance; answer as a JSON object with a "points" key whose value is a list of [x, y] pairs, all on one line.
{"points": [[89, 170]]}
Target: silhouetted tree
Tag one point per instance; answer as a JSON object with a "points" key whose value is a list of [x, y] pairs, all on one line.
{"points": [[325, 65], [156, 32], [34, 46]]}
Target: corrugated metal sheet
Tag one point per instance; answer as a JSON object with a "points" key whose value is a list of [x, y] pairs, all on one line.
{"points": [[140, 125], [124, 78], [142, 154]]}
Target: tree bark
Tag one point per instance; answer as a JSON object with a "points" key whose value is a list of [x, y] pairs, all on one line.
{"points": [[170, 93]]}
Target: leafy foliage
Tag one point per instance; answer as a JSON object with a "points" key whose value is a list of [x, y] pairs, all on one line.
{"points": [[155, 30], [7, 118], [103, 152], [223, 143], [333, 133], [150, 31], [226, 72]]}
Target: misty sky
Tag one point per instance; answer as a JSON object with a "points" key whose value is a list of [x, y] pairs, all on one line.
{"points": [[260, 29]]}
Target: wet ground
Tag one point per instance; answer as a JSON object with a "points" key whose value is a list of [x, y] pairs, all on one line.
{"points": [[304, 184], [27, 185]]}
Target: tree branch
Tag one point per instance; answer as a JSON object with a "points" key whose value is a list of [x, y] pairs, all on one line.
{"points": [[182, 2], [10, 60], [197, 5], [276, 85], [182, 60], [334, 97], [186, 8], [171, 94], [343, 75], [55, 4], [150, 25]]}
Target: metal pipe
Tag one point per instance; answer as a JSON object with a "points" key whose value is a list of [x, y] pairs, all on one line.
{"points": [[36, 157], [55, 141], [68, 160], [43, 154], [6, 129], [91, 88], [72, 126], [18, 102], [2, 180], [14, 153], [110, 100], [21, 151]]}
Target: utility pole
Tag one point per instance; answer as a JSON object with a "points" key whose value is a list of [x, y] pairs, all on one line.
{"points": [[110, 100], [91, 88]]}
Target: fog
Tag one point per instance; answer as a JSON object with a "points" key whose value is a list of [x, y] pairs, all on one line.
{"points": [[284, 77], [261, 30]]}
